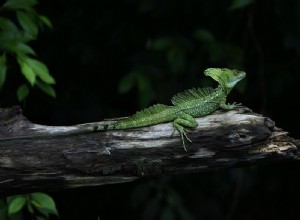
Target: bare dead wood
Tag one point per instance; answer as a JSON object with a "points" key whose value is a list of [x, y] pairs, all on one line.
{"points": [[36, 157]]}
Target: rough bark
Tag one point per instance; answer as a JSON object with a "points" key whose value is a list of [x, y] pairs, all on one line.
{"points": [[36, 157]]}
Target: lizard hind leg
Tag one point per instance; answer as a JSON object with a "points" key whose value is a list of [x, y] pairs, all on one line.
{"points": [[184, 120]]}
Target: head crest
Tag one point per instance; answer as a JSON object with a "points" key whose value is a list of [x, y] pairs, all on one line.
{"points": [[226, 77]]}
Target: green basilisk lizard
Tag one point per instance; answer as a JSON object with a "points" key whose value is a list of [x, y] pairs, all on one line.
{"points": [[196, 102]]}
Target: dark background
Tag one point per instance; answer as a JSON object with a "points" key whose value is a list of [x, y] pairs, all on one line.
{"points": [[111, 58]]}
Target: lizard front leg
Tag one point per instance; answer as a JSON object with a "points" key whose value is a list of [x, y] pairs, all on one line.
{"points": [[228, 106], [182, 121]]}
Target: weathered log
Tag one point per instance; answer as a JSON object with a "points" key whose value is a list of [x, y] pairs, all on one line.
{"points": [[37, 157]]}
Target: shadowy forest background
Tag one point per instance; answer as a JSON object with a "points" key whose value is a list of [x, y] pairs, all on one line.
{"points": [[111, 58]]}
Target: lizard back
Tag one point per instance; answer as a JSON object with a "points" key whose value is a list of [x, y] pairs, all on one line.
{"points": [[198, 101]]}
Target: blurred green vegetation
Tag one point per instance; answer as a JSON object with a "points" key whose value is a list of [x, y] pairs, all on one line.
{"points": [[110, 59], [19, 25]]}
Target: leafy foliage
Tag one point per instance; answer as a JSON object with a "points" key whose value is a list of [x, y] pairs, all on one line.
{"points": [[14, 39], [176, 52], [38, 205]]}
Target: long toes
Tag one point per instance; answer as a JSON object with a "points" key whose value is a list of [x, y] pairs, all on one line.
{"points": [[182, 139], [237, 104], [184, 133]]}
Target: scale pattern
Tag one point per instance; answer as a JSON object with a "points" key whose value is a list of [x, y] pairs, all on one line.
{"points": [[194, 94], [191, 103], [151, 115], [146, 113]]}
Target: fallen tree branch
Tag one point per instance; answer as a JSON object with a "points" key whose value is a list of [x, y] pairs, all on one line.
{"points": [[37, 157]]}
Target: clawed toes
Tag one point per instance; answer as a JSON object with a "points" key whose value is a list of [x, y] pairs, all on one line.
{"points": [[184, 133]]}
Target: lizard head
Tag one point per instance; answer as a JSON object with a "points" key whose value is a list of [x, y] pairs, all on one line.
{"points": [[226, 77]]}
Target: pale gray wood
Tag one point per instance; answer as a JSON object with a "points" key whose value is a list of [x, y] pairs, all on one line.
{"points": [[37, 157]]}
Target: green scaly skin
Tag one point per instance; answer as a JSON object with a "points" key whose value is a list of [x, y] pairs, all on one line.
{"points": [[187, 105]]}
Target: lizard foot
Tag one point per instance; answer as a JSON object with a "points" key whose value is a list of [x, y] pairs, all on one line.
{"points": [[230, 106], [183, 134]]}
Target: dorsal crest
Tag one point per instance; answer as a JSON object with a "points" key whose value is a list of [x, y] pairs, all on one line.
{"points": [[147, 112], [191, 94]]}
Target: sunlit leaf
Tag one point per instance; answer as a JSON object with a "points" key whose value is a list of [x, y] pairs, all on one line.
{"points": [[22, 92], [16, 204], [46, 88], [27, 23], [27, 71], [43, 201], [238, 4], [3, 69], [41, 70], [20, 4]]}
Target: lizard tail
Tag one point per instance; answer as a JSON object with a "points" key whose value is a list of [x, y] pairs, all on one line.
{"points": [[104, 127]]}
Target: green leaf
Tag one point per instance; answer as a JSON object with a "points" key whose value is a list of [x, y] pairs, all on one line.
{"points": [[20, 4], [22, 92], [32, 68], [7, 25], [20, 48], [46, 88], [30, 208], [28, 23], [27, 71], [45, 21], [43, 201], [238, 4], [41, 70], [16, 204], [3, 69]]}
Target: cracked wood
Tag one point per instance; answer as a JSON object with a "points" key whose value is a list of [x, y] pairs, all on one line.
{"points": [[38, 157]]}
